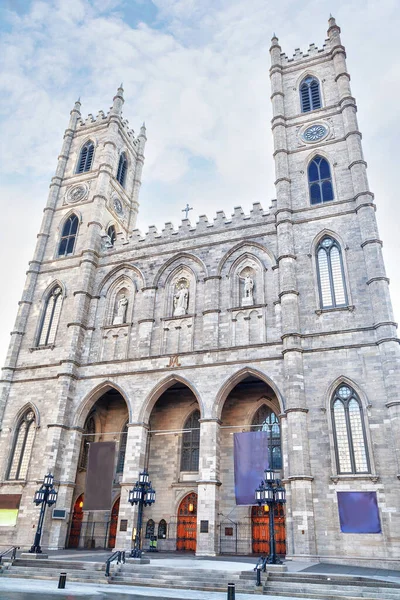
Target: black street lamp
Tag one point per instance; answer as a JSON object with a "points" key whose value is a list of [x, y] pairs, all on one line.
{"points": [[271, 493], [46, 496], [142, 494]]}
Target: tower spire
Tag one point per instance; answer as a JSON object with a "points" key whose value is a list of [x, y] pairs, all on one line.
{"points": [[118, 101]]}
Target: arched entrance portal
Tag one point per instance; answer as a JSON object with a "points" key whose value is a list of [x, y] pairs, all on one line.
{"points": [[76, 523], [260, 530], [113, 524], [187, 524]]}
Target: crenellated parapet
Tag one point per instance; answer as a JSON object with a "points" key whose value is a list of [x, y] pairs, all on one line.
{"points": [[220, 223]]}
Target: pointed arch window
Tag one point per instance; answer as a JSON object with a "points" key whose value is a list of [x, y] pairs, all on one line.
{"points": [[122, 449], [310, 94], [320, 181], [86, 158], [50, 318], [22, 447], [150, 525], [68, 236], [266, 420], [162, 529], [191, 443], [88, 437], [122, 168], [349, 432], [331, 281]]}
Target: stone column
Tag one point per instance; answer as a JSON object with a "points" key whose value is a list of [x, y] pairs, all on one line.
{"points": [[211, 311], [135, 460], [208, 488]]}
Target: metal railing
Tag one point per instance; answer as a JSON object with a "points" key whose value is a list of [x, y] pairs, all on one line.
{"points": [[119, 556], [13, 550]]}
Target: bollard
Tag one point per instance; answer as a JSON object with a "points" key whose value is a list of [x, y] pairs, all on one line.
{"points": [[62, 580], [258, 576], [231, 591]]}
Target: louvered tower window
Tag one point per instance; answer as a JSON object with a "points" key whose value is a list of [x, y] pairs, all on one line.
{"points": [[266, 420], [310, 95], [111, 234], [122, 168], [50, 318], [320, 181], [349, 432], [331, 282], [191, 443], [68, 237], [22, 447], [86, 158]]}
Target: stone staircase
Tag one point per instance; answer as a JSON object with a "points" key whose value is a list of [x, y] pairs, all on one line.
{"points": [[24, 568], [185, 578], [298, 585], [329, 587]]}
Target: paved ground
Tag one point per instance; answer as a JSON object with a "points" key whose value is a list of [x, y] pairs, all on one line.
{"points": [[22, 589]]}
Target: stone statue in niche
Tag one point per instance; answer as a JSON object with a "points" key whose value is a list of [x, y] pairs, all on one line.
{"points": [[181, 298], [248, 289], [122, 307]]}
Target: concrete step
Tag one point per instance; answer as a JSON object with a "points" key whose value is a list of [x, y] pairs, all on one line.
{"points": [[41, 576], [189, 585], [330, 579], [59, 564], [331, 592]]}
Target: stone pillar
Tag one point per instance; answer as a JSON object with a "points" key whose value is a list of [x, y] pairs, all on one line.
{"points": [[211, 311], [146, 320], [135, 460], [208, 488]]}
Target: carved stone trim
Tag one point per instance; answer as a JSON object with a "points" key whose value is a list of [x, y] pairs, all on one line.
{"points": [[354, 477], [298, 478], [211, 310], [373, 241], [378, 279], [285, 292], [357, 162], [212, 277], [146, 321], [296, 409], [320, 311]]}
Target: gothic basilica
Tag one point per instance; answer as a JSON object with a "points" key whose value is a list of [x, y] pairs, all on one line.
{"points": [[169, 343]]}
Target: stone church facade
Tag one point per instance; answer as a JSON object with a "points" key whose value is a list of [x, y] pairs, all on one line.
{"points": [[170, 342]]}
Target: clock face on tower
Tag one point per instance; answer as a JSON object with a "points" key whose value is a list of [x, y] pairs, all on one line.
{"points": [[314, 133], [118, 206]]}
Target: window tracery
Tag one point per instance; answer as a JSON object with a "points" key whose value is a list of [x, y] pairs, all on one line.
{"points": [[22, 447], [191, 443], [266, 420], [50, 318], [68, 236], [310, 94], [331, 280]]}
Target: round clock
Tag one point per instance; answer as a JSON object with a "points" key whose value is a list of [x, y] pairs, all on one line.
{"points": [[314, 133], [118, 206]]}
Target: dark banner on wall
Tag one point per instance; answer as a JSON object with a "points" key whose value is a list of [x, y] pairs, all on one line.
{"points": [[358, 512], [251, 458], [99, 476]]}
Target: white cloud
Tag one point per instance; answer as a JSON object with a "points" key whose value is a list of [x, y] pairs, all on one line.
{"points": [[199, 78]]}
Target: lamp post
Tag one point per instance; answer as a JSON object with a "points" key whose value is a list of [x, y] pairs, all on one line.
{"points": [[271, 493], [141, 494], [46, 496]]}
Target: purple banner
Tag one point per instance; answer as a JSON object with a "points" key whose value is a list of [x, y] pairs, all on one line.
{"points": [[251, 458], [358, 512]]}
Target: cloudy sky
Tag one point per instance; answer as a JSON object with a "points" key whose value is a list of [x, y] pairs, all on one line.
{"points": [[197, 72]]}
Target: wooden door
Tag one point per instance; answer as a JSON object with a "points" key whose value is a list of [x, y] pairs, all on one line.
{"points": [[187, 524], [113, 524], [76, 523], [260, 530]]}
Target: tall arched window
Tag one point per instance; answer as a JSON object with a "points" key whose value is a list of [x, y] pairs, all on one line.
{"points": [[122, 449], [191, 443], [22, 447], [162, 529], [122, 168], [68, 236], [86, 158], [88, 437], [50, 318], [310, 94], [349, 432], [264, 420], [320, 181], [331, 282]]}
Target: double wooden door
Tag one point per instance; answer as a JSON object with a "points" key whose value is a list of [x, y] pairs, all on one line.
{"points": [[113, 524], [260, 530], [76, 523], [187, 524]]}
